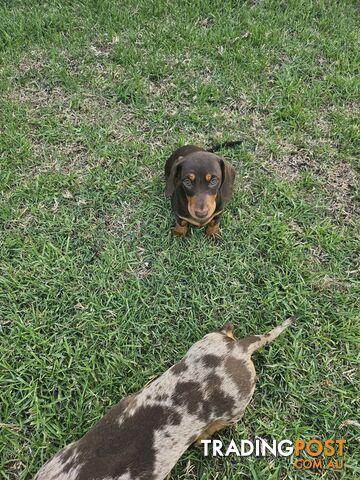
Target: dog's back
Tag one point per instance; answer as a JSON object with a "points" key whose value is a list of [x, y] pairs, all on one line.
{"points": [[144, 435]]}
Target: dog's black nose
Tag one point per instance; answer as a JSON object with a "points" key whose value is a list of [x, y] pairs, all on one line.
{"points": [[201, 213]]}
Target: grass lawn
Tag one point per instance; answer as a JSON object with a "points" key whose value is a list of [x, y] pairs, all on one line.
{"points": [[93, 98]]}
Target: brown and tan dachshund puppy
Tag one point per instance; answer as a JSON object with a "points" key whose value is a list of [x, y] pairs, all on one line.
{"points": [[199, 183], [143, 436]]}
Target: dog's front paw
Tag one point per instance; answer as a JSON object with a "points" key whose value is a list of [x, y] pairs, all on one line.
{"points": [[180, 231], [213, 231]]}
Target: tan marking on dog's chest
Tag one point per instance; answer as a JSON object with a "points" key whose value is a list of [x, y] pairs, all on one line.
{"points": [[198, 224]]}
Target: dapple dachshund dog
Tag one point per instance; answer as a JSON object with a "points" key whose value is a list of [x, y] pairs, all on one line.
{"points": [[199, 183], [143, 436]]}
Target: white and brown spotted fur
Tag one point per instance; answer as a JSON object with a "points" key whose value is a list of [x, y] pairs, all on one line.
{"points": [[144, 435]]}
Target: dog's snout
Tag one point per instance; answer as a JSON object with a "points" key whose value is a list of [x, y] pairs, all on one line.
{"points": [[201, 213]]}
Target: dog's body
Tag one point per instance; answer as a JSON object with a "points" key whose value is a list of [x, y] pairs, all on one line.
{"points": [[144, 435], [199, 183]]}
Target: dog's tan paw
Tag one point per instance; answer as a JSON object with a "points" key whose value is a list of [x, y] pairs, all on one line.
{"points": [[180, 231], [213, 231]]}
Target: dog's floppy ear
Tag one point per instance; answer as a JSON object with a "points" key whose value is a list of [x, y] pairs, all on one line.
{"points": [[228, 330], [174, 173], [228, 177]]}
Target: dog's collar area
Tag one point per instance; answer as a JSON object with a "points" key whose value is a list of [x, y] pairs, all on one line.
{"points": [[198, 224]]}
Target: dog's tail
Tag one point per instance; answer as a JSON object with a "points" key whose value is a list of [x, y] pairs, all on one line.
{"points": [[257, 341], [219, 146]]}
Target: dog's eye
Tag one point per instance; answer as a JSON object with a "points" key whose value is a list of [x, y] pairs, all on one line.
{"points": [[213, 182], [187, 183]]}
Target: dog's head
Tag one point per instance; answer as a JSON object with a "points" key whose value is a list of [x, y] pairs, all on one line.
{"points": [[203, 177]]}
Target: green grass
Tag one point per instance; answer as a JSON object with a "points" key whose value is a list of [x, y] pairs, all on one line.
{"points": [[93, 98]]}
